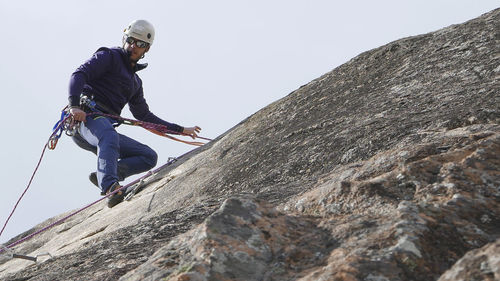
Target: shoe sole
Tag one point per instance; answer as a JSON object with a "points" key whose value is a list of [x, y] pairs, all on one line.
{"points": [[115, 199]]}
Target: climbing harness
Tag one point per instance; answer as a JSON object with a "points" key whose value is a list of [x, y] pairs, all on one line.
{"points": [[161, 130], [70, 127]]}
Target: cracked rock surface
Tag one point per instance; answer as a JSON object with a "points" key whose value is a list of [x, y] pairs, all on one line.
{"points": [[385, 168]]}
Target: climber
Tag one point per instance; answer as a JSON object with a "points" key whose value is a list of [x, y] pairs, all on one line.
{"points": [[109, 79]]}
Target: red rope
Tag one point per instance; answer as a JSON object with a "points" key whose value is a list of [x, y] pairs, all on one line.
{"points": [[32, 175], [158, 129], [25, 190], [76, 212], [51, 143]]}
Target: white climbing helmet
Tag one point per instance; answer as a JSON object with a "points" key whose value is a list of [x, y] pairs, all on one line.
{"points": [[142, 30]]}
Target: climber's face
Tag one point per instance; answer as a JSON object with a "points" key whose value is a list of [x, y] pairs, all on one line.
{"points": [[136, 48]]}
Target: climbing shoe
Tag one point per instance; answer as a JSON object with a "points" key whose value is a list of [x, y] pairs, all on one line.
{"points": [[93, 179], [117, 197]]}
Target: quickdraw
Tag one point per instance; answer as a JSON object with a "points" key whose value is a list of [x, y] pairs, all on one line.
{"points": [[70, 127], [65, 124]]}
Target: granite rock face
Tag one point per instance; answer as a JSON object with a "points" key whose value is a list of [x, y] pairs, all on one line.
{"points": [[385, 168], [243, 240], [479, 264], [411, 218]]}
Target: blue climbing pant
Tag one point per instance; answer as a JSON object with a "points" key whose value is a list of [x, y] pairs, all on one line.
{"points": [[118, 156]]}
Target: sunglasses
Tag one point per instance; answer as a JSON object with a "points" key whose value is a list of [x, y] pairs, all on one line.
{"points": [[138, 43]]}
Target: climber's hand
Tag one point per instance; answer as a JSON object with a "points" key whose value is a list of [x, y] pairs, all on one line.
{"points": [[192, 131], [78, 114]]}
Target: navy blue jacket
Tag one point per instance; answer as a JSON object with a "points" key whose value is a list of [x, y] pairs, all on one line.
{"points": [[109, 77]]}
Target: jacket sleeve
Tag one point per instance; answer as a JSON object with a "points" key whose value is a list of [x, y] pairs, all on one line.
{"points": [[93, 68], [140, 110]]}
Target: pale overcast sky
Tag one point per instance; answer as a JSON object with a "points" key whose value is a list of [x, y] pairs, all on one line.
{"points": [[213, 63]]}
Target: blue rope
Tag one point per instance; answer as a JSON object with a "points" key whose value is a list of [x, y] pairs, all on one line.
{"points": [[58, 126]]}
